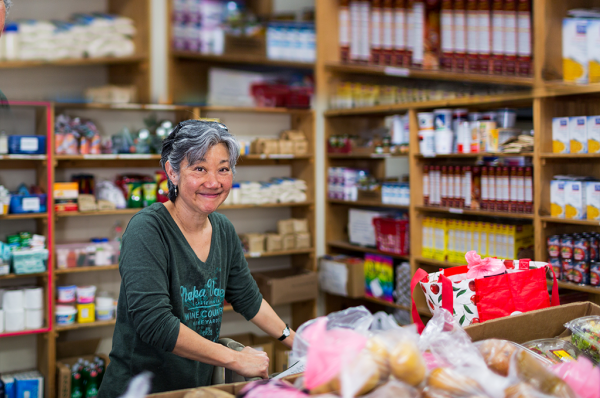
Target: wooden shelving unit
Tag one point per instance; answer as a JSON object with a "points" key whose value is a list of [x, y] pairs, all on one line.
{"points": [[96, 268], [134, 59], [241, 59], [86, 325]]}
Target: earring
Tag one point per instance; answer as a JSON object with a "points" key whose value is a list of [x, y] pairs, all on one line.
{"points": [[176, 191]]}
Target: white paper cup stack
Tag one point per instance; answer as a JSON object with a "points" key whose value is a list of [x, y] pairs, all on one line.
{"points": [[33, 303], [14, 312]]}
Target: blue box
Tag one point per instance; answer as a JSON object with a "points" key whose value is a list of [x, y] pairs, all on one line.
{"points": [[27, 144], [29, 261], [29, 385], [20, 204], [9, 385]]}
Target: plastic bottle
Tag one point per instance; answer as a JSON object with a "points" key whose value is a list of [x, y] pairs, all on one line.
{"points": [[76, 382], [100, 366], [11, 42], [2, 389], [91, 387]]}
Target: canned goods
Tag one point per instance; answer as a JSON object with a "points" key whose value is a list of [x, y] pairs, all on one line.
{"points": [[554, 246], [566, 247], [581, 249], [567, 268], [595, 273], [556, 267], [594, 248], [134, 195], [581, 272]]}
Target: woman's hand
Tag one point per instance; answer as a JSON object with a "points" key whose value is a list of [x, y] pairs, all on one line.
{"points": [[252, 363]]}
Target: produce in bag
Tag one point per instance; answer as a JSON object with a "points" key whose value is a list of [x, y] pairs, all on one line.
{"points": [[394, 389], [530, 370], [498, 353], [554, 350], [523, 390], [586, 335], [581, 375]]}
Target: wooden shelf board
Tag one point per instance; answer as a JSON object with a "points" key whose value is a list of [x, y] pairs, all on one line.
{"points": [[266, 205], [424, 311], [474, 212], [77, 270], [570, 156], [25, 332], [450, 103], [385, 303], [574, 286], [274, 157], [429, 74], [76, 325], [593, 223], [73, 62], [23, 157], [121, 107], [108, 157], [559, 87], [25, 216], [238, 109], [15, 276], [242, 59], [367, 203], [370, 156], [436, 263], [96, 213], [349, 246], [279, 253], [473, 155]]}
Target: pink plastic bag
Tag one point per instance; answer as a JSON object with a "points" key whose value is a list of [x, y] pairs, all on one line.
{"points": [[480, 268], [581, 375]]}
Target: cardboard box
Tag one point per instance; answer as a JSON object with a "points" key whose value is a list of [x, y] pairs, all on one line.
{"points": [[288, 242], [285, 227], [228, 388], [593, 50], [342, 275], [68, 353], [300, 225], [287, 285], [300, 148], [578, 134], [274, 243], [286, 147], [282, 360], [253, 243], [263, 146], [560, 135], [574, 48], [557, 198], [246, 45], [360, 227], [293, 135], [575, 206], [302, 240], [66, 190], [592, 199], [593, 134], [539, 324]]}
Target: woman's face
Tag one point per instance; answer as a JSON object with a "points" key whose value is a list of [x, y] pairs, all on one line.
{"points": [[203, 186]]}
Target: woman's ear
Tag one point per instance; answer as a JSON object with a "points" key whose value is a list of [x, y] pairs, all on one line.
{"points": [[171, 173]]}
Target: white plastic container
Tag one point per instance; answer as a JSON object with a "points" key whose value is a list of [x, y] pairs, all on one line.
{"points": [[65, 315], [427, 142], [463, 137], [443, 141], [33, 298], [105, 313], [506, 118], [425, 120], [34, 319], [11, 42], [12, 300], [442, 119], [66, 294], [86, 294]]}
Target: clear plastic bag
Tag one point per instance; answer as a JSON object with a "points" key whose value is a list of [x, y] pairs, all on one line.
{"points": [[581, 375], [394, 389]]}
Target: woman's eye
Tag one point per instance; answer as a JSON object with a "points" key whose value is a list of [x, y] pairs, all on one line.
{"points": [[199, 168], [224, 170]]}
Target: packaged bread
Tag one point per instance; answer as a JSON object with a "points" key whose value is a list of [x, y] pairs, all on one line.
{"points": [[497, 354], [530, 370], [449, 381]]}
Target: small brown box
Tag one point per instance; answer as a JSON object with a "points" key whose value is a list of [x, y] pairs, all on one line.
{"points": [[253, 243], [282, 360], [300, 148], [336, 269], [302, 240], [274, 243], [286, 147], [246, 45], [300, 225], [285, 227], [262, 146], [68, 353], [293, 135], [289, 242], [86, 202], [287, 286]]}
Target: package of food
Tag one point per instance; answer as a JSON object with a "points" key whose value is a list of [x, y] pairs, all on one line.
{"points": [[529, 369], [586, 335], [555, 350]]}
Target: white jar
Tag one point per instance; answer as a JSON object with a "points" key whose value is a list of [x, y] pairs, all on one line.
{"points": [[443, 141], [11, 42], [427, 142]]}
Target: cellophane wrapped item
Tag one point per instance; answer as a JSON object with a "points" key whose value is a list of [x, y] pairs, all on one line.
{"points": [[581, 376]]}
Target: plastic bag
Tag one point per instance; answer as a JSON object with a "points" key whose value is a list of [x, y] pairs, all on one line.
{"points": [[498, 354], [581, 375], [394, 389], [270, 389], [523, 390], [382, 321], [139, 386], [106, 190], [529, 369]]}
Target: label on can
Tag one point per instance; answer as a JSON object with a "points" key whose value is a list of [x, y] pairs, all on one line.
{"points": [[581, 273], [581, 250], [567, 267], [566, 247], [556, 267], [594, 273], [554, 246]]}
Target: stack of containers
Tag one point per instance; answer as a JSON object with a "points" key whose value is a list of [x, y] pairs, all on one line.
{"points": [[579, 134], [85, 308], [575, 197], [65, 310], [426, 133], [575, 257], [21, 309]]}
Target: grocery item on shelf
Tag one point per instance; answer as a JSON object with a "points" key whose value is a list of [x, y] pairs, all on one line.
{"points": [[4, 200], [23, 253], [77, 136], [342, 275], [81, 304], [393, 139], [23, 384], [580, 49], [278, 190], [392, 234], [575, 257], [94, 35], [361, 230], [21, 309], [111, 94], [291, 234], [449, 239], [580, 134], [379, 277], [351, 185], [586, 336], [23, 200], [491, 188], [81, 376], [452, 36], [575, 197], [291, 142], [27, 144]]}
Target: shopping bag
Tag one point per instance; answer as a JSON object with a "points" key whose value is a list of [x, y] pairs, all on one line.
{"points": [[520, 288]]}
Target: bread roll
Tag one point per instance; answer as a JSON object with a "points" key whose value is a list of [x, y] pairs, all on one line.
{"points": [[497, 354], [452, 382], [407, 363]]}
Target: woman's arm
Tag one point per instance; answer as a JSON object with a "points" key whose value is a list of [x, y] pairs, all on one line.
{"points": [[248, 362], [269, 322]]}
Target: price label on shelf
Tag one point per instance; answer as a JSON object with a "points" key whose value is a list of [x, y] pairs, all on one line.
{"points": [[455, 210], [393, 71]]}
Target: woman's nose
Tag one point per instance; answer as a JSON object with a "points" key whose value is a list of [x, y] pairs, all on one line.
{"points": [[211, 181]]}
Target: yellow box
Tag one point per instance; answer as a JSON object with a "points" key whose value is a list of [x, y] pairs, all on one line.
{"points": [[86, 313], [441, 239], [483, 239], [66, 190], [578, 134], [592, 199], [476, 231], [451, 240], [574, 48], [575, 207], [557, 198], [468, 232]]}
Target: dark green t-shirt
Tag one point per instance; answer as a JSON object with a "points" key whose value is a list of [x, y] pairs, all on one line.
{"points": [[165, 283]]}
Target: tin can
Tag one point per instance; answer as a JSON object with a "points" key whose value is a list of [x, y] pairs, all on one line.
{"points": [[567, 268], [581, 272], [566, 247], [134, 195], [595, 273], [594, 247], [553, 246], [581, 248], [556, 267]]}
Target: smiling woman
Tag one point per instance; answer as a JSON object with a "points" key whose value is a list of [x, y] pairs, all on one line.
{"points": [[179, 262]]}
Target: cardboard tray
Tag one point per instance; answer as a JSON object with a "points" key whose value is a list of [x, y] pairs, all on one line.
{"points": [[287, 286]]}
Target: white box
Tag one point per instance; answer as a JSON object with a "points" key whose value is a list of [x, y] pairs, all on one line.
{"points": [[578, 134], [557, 198], [231, 87], [592, 199], [575, 207], [593, 134], [360, 227], [593, 50], [560, 135], [574, 49]]}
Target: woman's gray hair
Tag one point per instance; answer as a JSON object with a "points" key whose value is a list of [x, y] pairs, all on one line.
{"points": [[191, 140], [7, 4]]}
